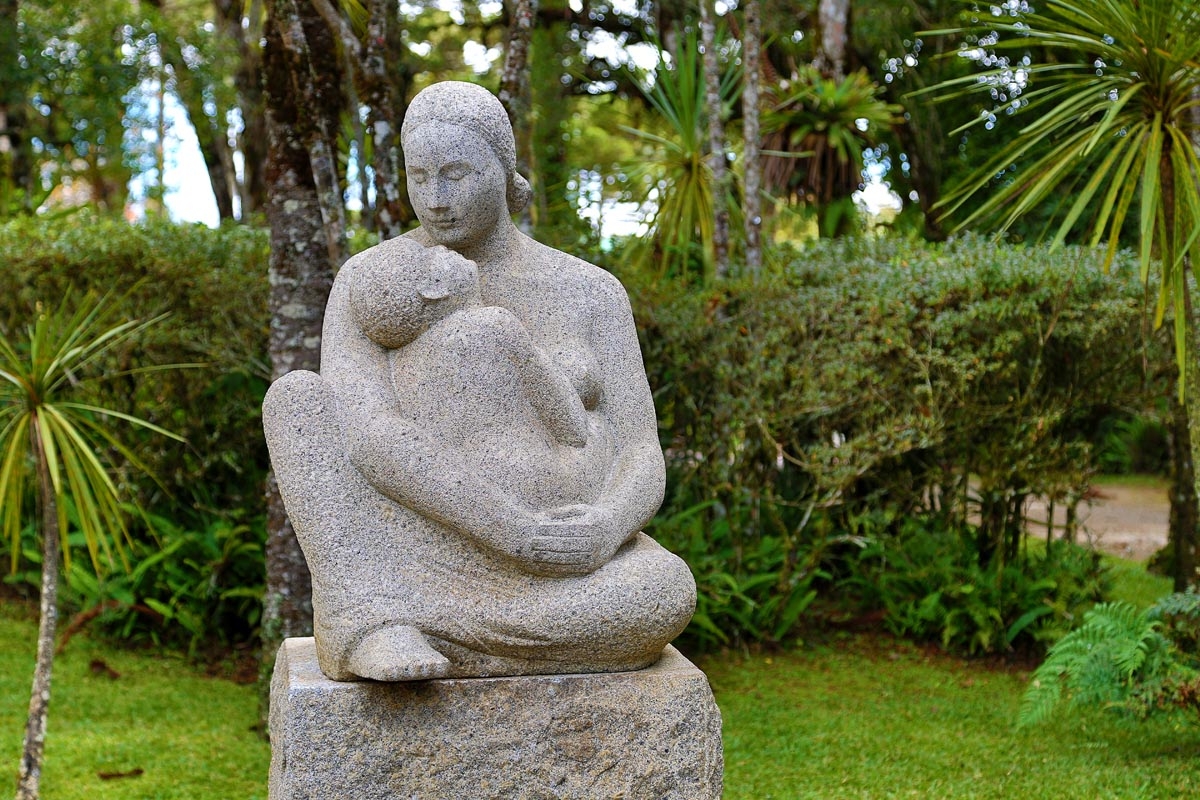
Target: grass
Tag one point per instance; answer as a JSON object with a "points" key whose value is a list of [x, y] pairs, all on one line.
{"points": [[862, 716], [189, 734], [869, 717]]}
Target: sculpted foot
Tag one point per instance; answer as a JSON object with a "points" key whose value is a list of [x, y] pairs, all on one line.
{"points": [[400, 653]]}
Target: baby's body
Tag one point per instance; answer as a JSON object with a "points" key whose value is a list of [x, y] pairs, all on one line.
{"points": [[469, 377]]}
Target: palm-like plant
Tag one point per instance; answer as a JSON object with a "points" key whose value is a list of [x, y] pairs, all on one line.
{"points": [[674, 179], [815, 136], [1112, 121], [49, 431], [1116, 97]]}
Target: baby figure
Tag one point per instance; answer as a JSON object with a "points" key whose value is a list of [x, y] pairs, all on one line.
{"points": [[461, 370]]}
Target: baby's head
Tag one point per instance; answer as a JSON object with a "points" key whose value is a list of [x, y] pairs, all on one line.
{"points": [[396, 300]]}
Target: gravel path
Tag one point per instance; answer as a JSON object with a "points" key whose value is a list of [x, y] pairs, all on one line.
{"points": [[1126, 520]]}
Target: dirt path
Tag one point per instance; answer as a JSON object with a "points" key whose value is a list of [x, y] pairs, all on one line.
{"points": [[1126, 520]]}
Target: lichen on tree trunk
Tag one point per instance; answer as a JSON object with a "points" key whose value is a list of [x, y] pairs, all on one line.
{"points": [[304, 255], [716, 141]]}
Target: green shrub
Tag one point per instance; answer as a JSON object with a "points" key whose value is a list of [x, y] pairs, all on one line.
{"points": [[932, 586], [213, 284], [207, 504], [876, 381]]}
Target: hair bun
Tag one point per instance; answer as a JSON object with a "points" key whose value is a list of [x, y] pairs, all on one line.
{"points": [[518, 194]]}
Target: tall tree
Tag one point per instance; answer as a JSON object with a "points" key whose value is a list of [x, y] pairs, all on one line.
{"points": [[302, 100], [245, 31], [16, 174], [384, 91], [198, 89], [515, 90], [833, 24], [716, 140], [752, 178]]}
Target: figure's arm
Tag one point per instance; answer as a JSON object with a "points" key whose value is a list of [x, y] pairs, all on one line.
{"points": [[587, 536], [397, 459], [638, 480], [552, 396]]}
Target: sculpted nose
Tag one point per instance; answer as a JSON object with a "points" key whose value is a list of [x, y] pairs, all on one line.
{"points": [[437, 198]]}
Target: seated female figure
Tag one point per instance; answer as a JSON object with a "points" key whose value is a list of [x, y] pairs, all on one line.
{"points": [[429, 556]]}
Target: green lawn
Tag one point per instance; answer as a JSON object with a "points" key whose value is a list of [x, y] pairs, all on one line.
{"points": [[855, 716], [871, 717], [191, 735]]}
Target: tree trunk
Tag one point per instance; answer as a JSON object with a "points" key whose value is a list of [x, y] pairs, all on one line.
{"points": [[1185, 513], [834, 24], [751, 64], [310, 48], [716, 141], [515, 90], [248, 79], [301, 269], [15, 173], [392, 210], [210, 131], [30, 775]]}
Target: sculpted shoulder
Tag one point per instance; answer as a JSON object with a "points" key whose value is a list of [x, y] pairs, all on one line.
{"points": [[568, 270]]}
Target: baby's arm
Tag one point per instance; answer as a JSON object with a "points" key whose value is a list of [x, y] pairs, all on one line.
{"points": [[549, 392]]}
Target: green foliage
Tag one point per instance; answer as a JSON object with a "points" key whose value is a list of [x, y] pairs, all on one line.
{"points": [[932, 585], [1132, 445], [1114, 131], [672, 175], [189, 588], [1144, 662], [878, 381], [47, 416], [757, 592], [213, 285], [206, 505], [814, 140]]}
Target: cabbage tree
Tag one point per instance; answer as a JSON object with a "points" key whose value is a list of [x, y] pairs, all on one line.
{"points": [[53, 441], [1107, 125]]}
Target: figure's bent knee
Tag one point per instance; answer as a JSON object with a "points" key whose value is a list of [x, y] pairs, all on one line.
{"points": [[308, 453]]}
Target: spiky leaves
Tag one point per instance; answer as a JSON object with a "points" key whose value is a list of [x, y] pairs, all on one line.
{"points": [[674, 180], [40, 381], [1110, 121], [815, 136], [64, 442]]}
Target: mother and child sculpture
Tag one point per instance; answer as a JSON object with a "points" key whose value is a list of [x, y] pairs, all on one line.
{"points": [[470, 472]]}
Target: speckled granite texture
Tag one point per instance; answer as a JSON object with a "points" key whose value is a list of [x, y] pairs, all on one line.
{"points": [[653, 734], [470, 472]]}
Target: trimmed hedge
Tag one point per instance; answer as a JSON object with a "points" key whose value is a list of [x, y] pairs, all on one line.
{"points": [[874, 394], [876, 382]]}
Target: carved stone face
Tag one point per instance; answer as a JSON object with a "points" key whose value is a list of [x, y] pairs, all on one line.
{"points": [[456, 183]]}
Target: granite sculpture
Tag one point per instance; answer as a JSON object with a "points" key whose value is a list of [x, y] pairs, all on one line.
{"points": [[470, 472]]}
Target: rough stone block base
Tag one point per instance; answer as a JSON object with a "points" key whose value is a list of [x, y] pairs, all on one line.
{"points": [[652, 734]]}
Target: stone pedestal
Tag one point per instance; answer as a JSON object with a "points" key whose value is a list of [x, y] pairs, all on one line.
{"points": [[652, 734]]}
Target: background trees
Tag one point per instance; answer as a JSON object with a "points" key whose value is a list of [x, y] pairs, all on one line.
{"points": [[297, 106]]}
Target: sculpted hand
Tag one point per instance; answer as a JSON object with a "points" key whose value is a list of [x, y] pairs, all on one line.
{"points": [[575, 540]]}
